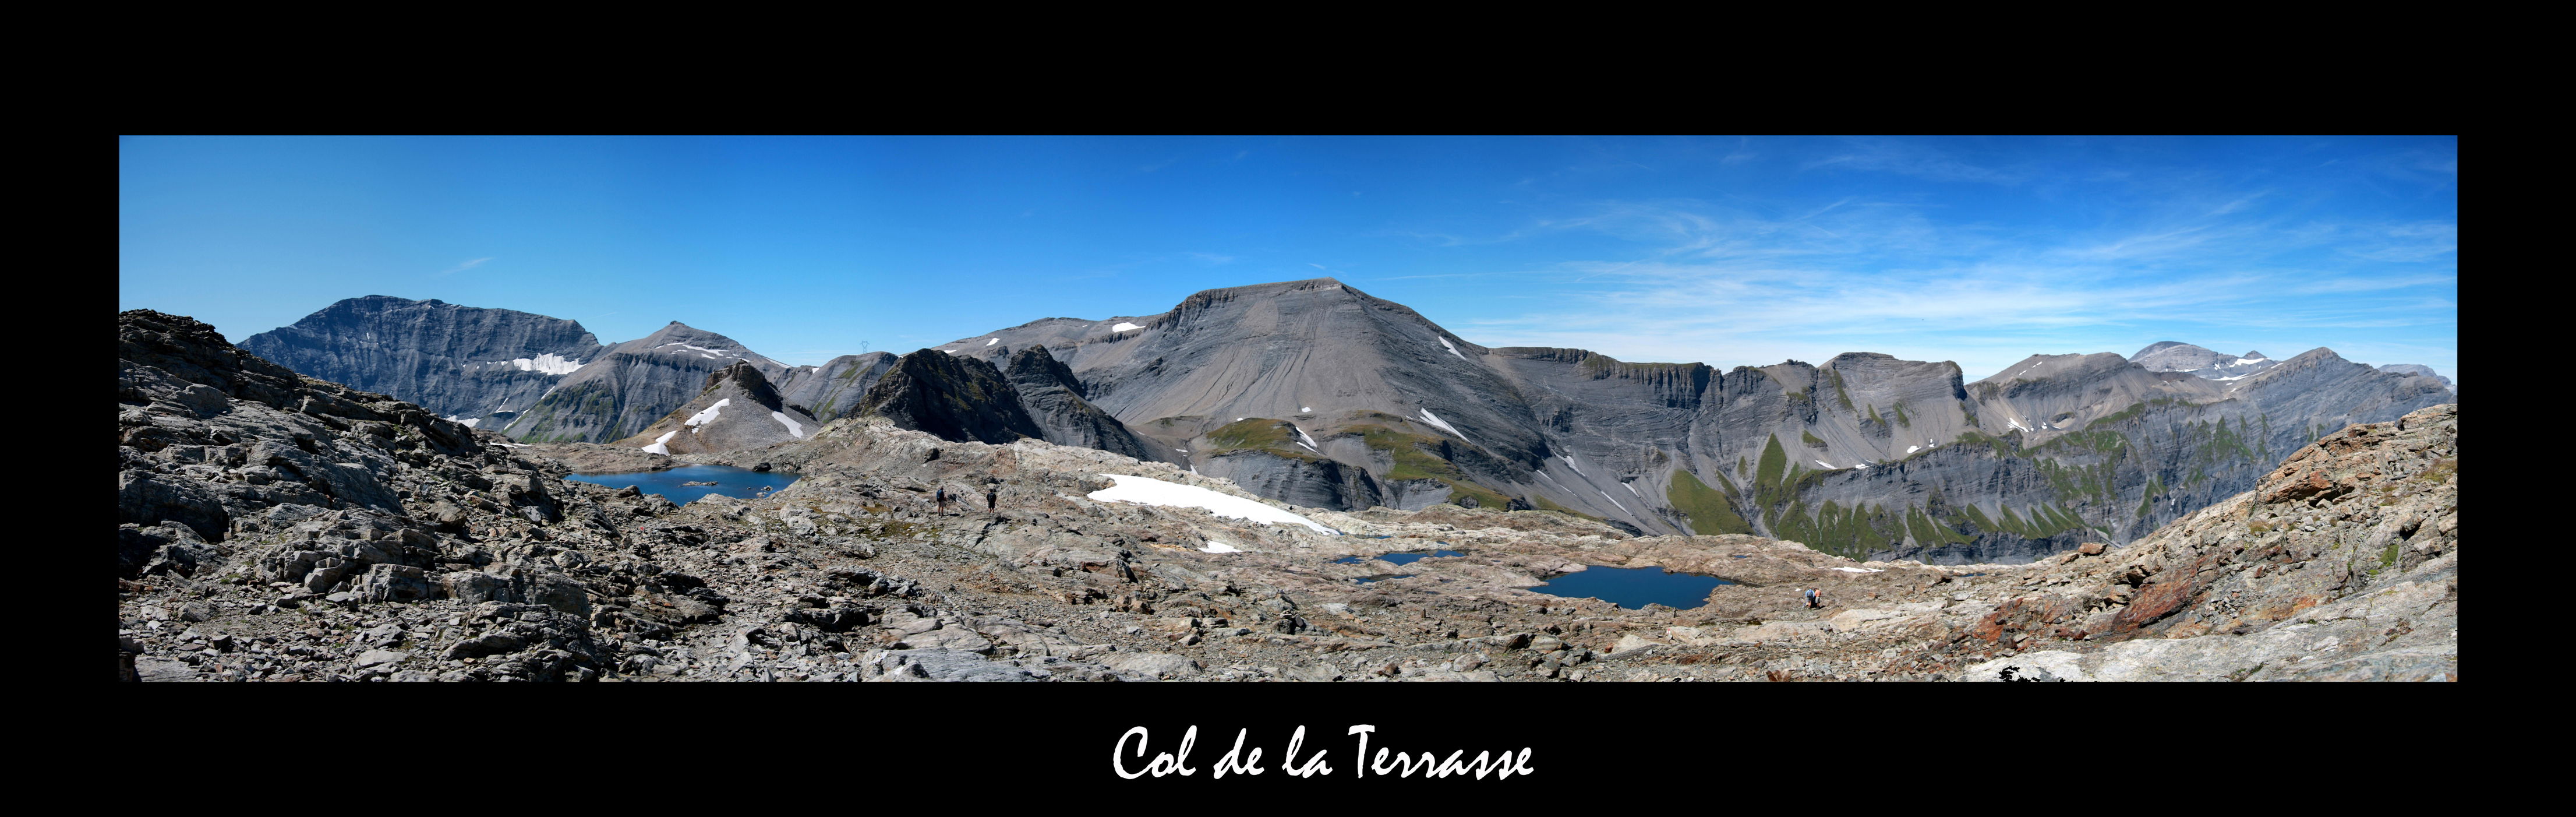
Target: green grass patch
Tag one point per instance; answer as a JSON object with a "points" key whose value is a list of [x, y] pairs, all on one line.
{"points": [[1810, 440], [1414, 459], [1708, 510]]}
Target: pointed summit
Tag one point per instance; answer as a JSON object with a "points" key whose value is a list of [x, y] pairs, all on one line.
{"points": [[737, 409]]}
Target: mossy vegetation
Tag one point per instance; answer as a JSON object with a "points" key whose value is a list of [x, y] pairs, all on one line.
{"points": [[1414, 459], [1260, 434], [1997, 444], [1811, 441], [1709, 511], [1840, 396], [1542, 503], [1767, 478], [1901, 419]]}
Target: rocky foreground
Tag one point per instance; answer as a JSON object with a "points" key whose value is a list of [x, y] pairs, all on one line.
{"points": [[276, 527]]}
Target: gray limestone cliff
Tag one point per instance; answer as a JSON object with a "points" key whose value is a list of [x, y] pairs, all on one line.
{"points": [[473, 365]]}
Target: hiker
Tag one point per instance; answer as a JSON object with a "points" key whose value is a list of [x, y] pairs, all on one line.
{"points": [[1812, 603], [943, 499]]}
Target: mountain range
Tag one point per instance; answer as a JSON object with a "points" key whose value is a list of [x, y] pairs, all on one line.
{"points": [[1320, 395]]}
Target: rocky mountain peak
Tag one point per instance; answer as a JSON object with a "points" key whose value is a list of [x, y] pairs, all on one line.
{"points": [[737, 409]]}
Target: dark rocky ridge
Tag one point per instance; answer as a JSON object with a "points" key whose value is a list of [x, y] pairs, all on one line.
{"points": [[951, 397], [832, 389], [1053, 400]]}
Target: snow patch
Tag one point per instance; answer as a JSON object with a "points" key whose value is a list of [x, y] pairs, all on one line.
{"points": [[548, 363], [1214, 546], [1632, 489], [661, 445], [793, 427], [993, 341], [697, 420], [1149, 491], [470, 423], [1435, 420], [1309, 442], [1305, 410], [1444, 342], [701, 350], [1124, 326], [1912, 448], [1860, 570], [1828, 466], [1569, 463], [1613, 502]]}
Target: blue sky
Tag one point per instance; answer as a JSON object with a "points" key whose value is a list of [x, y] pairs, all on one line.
{"points": [[1728, 251]]}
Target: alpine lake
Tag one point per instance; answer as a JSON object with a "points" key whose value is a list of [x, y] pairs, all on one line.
{"points": [[740, 483]]}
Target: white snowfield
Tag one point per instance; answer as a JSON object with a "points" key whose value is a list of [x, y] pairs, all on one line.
{"points": [[1150, 491], [793, 427], [1913, 448], [1303, 410], [1613, 502], [1434, 419], [548, 363], [1568, 458], [1632, 488], [702, 351], [1828, 466], [707, 416], [1444, 342], [1301, 434], [1124, 326], [1860, 570], [1214, 546], [661, 445], [470, 423], [993, 341]]}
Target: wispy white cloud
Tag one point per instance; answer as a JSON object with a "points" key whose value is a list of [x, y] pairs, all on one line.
{"points": [[1732, 287], [465, 266], [1210, 258], [1911, 159]]}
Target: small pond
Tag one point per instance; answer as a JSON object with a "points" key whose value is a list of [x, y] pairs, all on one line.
{"points": [[1634, 587], [1367, 579], [740, 483], [1397, 558]]}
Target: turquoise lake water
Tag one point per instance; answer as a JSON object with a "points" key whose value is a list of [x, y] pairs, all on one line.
{"points": [[1634, 587], [741, 483]]}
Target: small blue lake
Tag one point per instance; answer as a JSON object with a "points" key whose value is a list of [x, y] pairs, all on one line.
{"points": [[1634, 587], [1397, 558], [740, 483]]}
